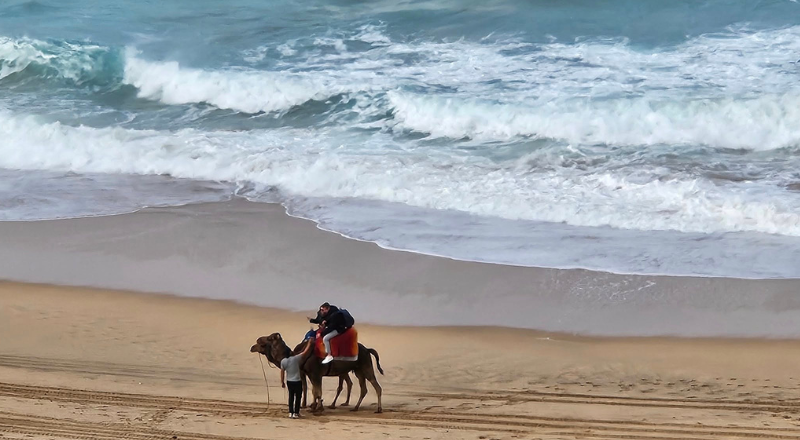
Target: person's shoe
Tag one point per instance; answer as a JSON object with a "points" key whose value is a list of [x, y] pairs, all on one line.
{"points": [[291, 415], [327, 359], [296, 415]]}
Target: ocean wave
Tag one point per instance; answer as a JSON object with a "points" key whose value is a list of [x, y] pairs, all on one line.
{"points": [[79, 63], [735, 62], [309, 163], [740, 71], [764, 123], [167, 82], [247, 91], [732, 89]]}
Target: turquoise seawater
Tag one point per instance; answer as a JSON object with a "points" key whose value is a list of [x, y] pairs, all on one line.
{"points": [[627, 136]]}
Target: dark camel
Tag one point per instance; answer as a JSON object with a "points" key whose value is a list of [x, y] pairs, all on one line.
{"points": [[275, 349], [343, 378]]}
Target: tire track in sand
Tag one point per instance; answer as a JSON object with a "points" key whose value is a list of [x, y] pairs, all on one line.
{"points": [[432, 419]]}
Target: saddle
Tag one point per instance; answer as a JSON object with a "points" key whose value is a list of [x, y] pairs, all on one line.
{"points": [[344, 347]]}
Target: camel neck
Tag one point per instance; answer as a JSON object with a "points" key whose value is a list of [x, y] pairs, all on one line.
{"points": [[281, 355]]}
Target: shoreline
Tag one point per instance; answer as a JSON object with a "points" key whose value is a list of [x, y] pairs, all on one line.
{"points": [[575, 268], [316, 223], [254, 253]]}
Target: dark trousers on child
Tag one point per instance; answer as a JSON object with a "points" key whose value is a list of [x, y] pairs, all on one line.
{"points": [[295, 390]]}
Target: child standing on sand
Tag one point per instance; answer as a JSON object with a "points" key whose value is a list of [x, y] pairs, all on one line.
{"points": [[290, 371]]}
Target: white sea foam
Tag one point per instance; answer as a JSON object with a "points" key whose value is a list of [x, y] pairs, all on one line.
{"points": [[243, 90], [736, 62], [763, 123], [530, 101], [71, 61], [15, 56], [312, 164], [736, 89]]}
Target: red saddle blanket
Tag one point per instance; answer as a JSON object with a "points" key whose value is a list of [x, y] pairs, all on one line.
{"points": [[344, 347]]}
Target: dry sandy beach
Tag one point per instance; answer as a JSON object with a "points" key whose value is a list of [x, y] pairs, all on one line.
{"points": [[79, 362]]}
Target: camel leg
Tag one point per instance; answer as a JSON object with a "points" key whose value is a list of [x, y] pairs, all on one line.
{"points": [[349, 383], [304, 404], [344, 378], [338, 391], [316, 392], [362, 382], [370, 376]]}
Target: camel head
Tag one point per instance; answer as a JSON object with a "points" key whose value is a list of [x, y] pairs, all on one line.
{"points": [[273, 347]]}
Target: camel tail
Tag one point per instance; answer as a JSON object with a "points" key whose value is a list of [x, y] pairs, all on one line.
{"points": [[374, 352]]}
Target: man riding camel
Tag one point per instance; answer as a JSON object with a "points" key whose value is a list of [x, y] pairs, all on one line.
{"points": [[335, 321]]}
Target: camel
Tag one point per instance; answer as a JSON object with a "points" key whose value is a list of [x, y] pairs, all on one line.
{"points": [[275, 349], [343, 378]]}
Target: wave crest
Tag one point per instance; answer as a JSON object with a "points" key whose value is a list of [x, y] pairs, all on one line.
{"points": [[241, 90], [309, 164], [764, 123], [79, 63]]}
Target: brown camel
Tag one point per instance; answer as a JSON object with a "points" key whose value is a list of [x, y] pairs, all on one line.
{"points": [[275, 349], [343, 378]]}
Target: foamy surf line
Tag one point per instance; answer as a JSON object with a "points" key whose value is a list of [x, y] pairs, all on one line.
{"points": [[254, 253]]}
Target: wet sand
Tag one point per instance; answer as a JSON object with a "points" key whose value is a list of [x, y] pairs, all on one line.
{"points": [[94, 362], [254, 253]]}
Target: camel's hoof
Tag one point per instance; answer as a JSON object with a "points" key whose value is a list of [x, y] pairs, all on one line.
{"points": [[379, 410], [345, 404], [354, 409], [332, 407]]}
